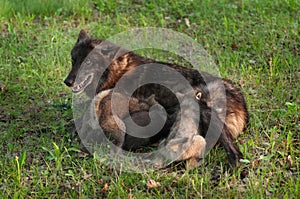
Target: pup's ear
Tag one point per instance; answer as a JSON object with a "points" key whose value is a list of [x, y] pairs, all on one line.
{"points": [[151, 100], [82, 36]]}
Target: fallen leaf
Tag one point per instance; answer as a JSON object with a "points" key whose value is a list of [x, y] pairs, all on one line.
{"points": [[2, 87], [152, 184], [234, 46], [289, 160], [105, 188], [187, 22]]}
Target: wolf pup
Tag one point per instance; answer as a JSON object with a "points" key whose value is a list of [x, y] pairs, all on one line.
{"points": [[123, 61], [100, 114]]}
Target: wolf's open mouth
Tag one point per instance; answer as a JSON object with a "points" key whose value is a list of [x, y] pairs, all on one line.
{"points": [[77, 88]]}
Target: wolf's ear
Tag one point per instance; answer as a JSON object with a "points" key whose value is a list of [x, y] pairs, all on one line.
{"points": [[82, 36], [110, 50]]}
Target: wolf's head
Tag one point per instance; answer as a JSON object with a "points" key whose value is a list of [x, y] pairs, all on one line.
{"points": [[90, 61], [82, 48]]}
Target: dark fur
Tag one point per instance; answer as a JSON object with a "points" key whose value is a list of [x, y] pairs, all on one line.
{"points": [[236, 112]]}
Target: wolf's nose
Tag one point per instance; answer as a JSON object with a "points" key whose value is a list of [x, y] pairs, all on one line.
{"points": [[68, 82]]}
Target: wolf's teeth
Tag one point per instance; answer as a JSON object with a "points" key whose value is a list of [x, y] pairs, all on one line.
{"points": [[83, 84]]}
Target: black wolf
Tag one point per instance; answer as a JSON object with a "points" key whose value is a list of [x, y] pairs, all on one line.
{"points": [[121, 61]]}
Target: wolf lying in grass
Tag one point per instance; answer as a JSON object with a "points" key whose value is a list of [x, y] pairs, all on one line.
{"points": [[121, 61]]}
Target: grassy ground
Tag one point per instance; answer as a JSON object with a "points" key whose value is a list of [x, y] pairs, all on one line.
{"points": [[255, 43]]}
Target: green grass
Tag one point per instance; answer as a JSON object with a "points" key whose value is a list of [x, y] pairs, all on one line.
{"points": [[254, 43]]}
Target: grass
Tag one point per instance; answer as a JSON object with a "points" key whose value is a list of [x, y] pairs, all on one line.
{"points": [[254, 43]]}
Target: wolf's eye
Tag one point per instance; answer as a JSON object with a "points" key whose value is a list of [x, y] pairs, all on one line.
{"points": [[87, 61], [198, 95]]}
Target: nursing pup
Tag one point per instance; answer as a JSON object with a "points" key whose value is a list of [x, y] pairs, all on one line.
{"points": [[100, 115]]}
